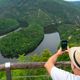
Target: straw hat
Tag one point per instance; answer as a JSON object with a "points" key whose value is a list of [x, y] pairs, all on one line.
{"points": [[75, 56]]}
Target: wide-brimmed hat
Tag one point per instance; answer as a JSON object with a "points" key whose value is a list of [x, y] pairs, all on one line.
{"points": [[74, 54]]}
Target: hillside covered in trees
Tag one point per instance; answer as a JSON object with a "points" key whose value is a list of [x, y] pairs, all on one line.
{"points": [[47, 15], [48, 11]]}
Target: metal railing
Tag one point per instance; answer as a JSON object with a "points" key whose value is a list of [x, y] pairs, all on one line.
{"points": [[29, 65]]}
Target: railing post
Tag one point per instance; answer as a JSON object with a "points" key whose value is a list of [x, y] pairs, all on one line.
{"points": [[8, 71]]}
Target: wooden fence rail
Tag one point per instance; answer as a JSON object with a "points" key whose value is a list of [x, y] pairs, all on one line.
{"points": [[29, 65]]}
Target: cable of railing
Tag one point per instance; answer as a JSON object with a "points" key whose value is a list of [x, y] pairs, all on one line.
{"points": [[35, 77], [32, 76], [2, 79]]}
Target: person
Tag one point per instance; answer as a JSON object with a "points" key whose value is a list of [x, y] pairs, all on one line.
{"points": [[59, 74]]}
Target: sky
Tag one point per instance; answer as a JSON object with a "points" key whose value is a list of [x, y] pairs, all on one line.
{"points": [[72, 0]]}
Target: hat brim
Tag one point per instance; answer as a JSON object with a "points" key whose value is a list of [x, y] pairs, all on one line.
{"points": [[71, 55]]}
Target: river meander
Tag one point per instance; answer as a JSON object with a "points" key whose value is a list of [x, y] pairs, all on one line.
{"points": [[51, 41]]}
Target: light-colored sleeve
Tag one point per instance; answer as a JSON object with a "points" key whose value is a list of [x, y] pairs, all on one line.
{"points": [[58, 74]]}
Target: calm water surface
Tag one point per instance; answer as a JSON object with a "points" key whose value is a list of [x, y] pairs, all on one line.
{"points": [[51, 41]]}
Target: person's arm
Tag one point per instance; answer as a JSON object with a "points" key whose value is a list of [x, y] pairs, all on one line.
{"points": [[52, 60]]}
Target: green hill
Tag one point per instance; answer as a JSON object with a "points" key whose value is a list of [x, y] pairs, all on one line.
{"points": [[28, 10], [52, 15]]}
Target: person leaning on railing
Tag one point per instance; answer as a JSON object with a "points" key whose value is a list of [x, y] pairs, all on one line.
{"points": [[59, 74]]}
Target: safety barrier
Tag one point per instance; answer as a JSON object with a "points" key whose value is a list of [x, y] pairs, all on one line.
{"points": [[29, 65]]}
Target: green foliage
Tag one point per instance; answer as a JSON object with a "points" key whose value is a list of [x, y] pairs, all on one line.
{"points": [[71, 33], [42, 58], [41, 17], [2, 75], [33, 72], [64, 57], [23, 41], [8, 25], [22, 58], [47, 11]]}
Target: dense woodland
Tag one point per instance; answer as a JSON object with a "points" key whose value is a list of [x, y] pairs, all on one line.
{"points": [[23, 41], [8, 25], [35, 18]]}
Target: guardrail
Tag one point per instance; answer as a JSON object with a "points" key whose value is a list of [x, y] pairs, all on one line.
{"points": [[29, 65]]}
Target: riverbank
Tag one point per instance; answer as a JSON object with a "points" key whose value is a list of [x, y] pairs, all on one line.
{"points": [[10, 32]]}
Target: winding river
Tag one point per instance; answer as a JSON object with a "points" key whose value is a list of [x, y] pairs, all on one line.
{"points": [[51, 41]]}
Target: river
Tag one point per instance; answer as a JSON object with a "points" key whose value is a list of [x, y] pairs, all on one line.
{"points": [[51, 41]]}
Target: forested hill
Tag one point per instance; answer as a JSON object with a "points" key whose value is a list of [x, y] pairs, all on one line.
{"points": [[50, 11], [36, 17]]}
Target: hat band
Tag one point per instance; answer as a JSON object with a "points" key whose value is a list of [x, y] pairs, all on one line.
{"points": [[76, 60]]}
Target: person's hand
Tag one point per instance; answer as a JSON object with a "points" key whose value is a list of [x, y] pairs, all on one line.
{"points": [[60, 52]]}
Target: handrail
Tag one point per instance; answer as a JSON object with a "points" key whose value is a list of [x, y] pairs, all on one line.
{"points": [[28, 65]]}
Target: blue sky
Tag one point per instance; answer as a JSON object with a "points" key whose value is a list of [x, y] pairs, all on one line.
{"points": [[72, 0]]}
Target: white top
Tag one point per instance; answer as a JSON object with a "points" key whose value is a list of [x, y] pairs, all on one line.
{"points": [[58, 74]]}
